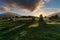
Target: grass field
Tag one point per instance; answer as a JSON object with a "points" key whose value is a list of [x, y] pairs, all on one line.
{"points": [[32, 30]]}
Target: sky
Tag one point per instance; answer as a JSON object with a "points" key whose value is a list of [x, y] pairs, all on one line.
{"points": [[52, 5], [29, 7]]}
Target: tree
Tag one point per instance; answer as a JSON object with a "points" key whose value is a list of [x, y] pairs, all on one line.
{"points": [[41, 21], [33, 18], [45, 17], [11, 19], [16, 17], [52, 17], [56, 17]]}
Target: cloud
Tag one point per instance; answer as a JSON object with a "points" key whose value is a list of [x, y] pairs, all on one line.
{"points": [[6, 9], [41, 4], [31, 5], [25, 5], [47, 0]]}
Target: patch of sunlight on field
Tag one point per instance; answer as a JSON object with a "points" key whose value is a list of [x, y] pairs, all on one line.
{"points": [[22, 18], [23, 33], [34, 25], [53, 23], [13, 28]]}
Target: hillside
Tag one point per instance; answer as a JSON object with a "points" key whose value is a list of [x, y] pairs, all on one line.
{"points": [[8, 14], [54, 13]]}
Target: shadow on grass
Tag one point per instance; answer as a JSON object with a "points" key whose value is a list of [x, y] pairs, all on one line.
{"points": [[42, 32], [32, 33], [15, 32], [10, 26]]}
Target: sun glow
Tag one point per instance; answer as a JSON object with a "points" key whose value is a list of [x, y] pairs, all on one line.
{"points": [[38, 14]]}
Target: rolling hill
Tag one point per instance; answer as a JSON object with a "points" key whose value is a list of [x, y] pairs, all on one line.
{"points": [[8, 14], [54, 13]]}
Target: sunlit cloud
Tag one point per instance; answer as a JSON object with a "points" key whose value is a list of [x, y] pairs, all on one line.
{"points": [[47, 0], [39, 9], [23, 4], [32, 6], [41, 4], [6, 9]]}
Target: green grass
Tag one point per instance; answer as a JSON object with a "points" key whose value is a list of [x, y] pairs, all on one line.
{"points": [[32, 30]]}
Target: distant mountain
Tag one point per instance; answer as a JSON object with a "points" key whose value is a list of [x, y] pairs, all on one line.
{"points": [[8, 14], [54, 13]]}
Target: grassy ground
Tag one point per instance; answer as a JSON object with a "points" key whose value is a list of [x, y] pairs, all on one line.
{"points": [[32, 30]]}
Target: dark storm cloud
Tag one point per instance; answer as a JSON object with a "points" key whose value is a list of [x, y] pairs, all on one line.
{"points": [[28, 4], [25, 4]]}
